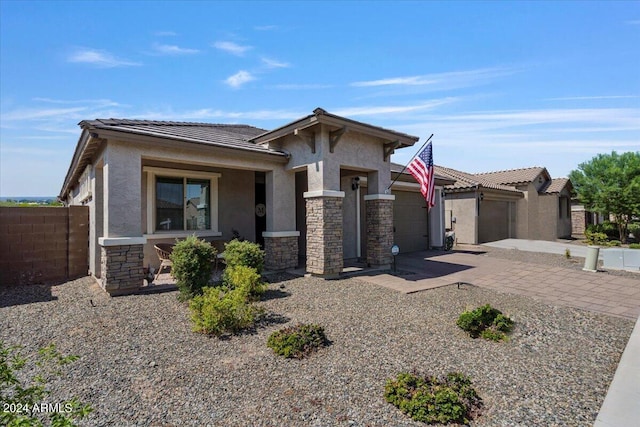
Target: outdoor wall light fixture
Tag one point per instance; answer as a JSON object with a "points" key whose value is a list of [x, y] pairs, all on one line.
{"points": [[355, 183], [481, 196]]}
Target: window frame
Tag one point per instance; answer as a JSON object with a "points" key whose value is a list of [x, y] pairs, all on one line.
{"points": [[153, 173]]}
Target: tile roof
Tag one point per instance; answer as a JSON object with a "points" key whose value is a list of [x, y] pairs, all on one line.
{"points": [[231, 136], [468, 181], [556, 185], [396, 168], [513, 176]]}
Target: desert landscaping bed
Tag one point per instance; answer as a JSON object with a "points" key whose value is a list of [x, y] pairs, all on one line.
{"points": [[140, 363]]}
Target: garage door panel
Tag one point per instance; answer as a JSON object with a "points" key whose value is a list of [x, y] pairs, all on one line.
{"points": [[410, 221]]}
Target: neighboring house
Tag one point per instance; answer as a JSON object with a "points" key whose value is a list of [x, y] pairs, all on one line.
{"points": [[520, 203], [314, 192]]}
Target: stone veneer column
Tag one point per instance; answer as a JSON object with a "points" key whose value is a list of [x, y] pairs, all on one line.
{"points": [[324, 232], [379, 220], [281, 249], [121, 264]]}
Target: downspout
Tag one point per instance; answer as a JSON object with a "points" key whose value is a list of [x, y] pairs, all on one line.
{"points": [[358, 237]]}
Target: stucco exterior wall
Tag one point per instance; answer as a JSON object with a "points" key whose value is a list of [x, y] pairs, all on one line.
{"points": [[547, 218], [122, 190], [463, 207], [493, 221], [353, 151]]}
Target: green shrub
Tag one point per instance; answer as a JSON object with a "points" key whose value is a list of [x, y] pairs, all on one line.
{"points": [[634, 228], [245, 253], [297, 341], [596, 238], [610, 229], [486, 322], [241, 276], [433, 400], [567, 253], [22, 396], [192, 265], [217, 312], [634, 246], [614, 243]]}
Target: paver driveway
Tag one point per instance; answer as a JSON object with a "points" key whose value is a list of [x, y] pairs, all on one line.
{"points": [[600, 292]]}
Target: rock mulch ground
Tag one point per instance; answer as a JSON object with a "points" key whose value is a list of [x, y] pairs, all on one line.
{"points": [[140, 364]]}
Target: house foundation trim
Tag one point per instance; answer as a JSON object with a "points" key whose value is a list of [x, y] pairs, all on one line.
{"points": [[323, 193], [121, 241], [280, 233], [379, 197]]}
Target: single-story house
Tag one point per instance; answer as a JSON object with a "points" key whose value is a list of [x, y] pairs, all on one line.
{"points": [[519, 203], [314, 192]]}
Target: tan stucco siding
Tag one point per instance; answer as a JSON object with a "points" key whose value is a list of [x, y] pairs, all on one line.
{"points": [[462, 207], [547, 218], [493, 221]]}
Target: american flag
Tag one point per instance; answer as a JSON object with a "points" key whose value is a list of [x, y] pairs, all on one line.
{"points": [[422, 170]]}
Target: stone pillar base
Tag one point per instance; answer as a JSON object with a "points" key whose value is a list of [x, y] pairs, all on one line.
{"points": [[379, 220], [281, 249], [121, 267], [324, 234]]}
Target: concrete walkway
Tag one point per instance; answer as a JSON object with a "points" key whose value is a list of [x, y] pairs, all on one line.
{"points": [[541, 246]]}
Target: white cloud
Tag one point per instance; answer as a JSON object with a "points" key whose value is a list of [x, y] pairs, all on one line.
{"points": [[442, 81], [216, 114], [273, 63], [99, 58], [39, 113], [584, 98], [166, 49], [102, 102], [239, 78], [391, 109], [231, 47]]}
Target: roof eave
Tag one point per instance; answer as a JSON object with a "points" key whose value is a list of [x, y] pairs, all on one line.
{"points": [[322, 117]]}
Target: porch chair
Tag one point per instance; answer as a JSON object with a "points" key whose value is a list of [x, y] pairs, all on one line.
{"points": [[164, 251]]}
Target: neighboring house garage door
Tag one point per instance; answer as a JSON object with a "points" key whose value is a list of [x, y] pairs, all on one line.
{"points": [[410, 221], [493, 223]]}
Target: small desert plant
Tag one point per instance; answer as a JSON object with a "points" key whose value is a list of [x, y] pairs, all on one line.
{"points": [[241, 276], [433, 400], [485, 318], [23, 400], [567, 253], [245, 253], [297, 341], [217, 312], [192, 265]]}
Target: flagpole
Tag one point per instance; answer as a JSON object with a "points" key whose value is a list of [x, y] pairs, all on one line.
{"points": [[410, 160]]}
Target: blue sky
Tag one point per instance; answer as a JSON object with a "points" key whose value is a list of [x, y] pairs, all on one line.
{"points": [[502, 85]]}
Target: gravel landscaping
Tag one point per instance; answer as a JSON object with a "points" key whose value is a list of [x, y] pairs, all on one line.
{"points": [[140, 364]]}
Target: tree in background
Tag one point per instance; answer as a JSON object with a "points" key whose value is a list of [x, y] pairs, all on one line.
{"points": [[610, 184]]}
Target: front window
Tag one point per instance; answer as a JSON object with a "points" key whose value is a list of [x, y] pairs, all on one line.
{"points": [[183, 204], [181, 201]]}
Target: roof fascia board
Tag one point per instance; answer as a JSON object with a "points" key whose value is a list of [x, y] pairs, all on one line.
{"points": [[338, 122], [81, 146]]}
